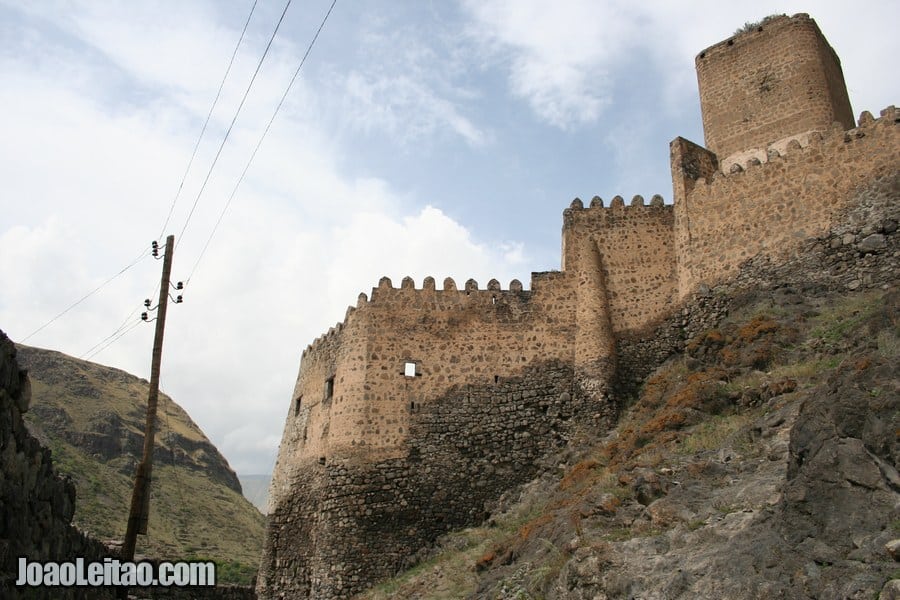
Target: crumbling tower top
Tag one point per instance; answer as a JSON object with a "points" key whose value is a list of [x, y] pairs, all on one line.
{"points": [[778, 79]]}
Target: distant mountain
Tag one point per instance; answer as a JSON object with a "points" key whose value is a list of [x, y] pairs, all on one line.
{"points": [[92, 418], [256, 489]]}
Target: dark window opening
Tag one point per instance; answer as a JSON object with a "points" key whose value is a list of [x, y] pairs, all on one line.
{"points": [[321, 460], [496, 379], [329, 388], [297, 405]]}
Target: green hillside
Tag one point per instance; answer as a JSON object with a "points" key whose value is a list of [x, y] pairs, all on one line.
{"points": [[92, 418]]}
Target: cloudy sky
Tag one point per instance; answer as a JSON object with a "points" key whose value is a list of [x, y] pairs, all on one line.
{"points": [[422, 138]]}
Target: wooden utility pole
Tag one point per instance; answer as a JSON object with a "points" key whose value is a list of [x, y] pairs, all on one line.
{"points": [[140, 497]]}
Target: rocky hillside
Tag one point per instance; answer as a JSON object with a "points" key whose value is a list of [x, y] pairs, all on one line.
{"points": [[92, 418], [758, 463]]}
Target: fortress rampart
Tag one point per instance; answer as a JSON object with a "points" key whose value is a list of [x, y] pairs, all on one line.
{"points": [[770, 206], [421, 408], [360, 385]]}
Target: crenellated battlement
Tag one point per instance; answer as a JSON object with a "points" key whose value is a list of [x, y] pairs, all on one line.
{"points": [[635, 244], [427, 296], [791, 149], [408, 284], [618, 202], [450, 295]]}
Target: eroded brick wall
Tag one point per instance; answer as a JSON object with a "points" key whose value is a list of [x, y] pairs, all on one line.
{"points": [[778, 79]]}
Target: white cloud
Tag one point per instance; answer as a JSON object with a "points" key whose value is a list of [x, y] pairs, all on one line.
{"points": [[86, 185], [559, 54], [569, 59], [411, 83], [405, 108]]}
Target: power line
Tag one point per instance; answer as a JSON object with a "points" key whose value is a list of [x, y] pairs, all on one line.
{"points": [[118, 329], [90, 352], [113, 341], [262, 137], [140, 257], [206, 123], [231, 125]]}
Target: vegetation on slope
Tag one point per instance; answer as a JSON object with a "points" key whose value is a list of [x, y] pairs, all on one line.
{"points": [[706, 468], [92, 419]]}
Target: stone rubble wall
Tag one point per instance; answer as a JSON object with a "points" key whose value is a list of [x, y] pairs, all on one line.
{"points": [[636, 244], [36, 503], [352, 398], [349, 523]]}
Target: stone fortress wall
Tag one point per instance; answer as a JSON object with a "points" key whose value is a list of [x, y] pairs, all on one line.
{"points": [[362, 384], [770, 206], [425, 405]]}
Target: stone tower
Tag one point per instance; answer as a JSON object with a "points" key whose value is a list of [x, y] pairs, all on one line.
{"points": [[778, 79]]}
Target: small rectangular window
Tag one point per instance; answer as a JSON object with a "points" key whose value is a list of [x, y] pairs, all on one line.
{"points": [[409, 369], [329, 388], [297, 405]]}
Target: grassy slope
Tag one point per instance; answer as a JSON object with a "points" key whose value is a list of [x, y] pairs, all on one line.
{"points": [[762, 359], [192, 514]]}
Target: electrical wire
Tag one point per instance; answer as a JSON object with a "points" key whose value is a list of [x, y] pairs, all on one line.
{"points": [[231, 125], [90, 351], [206, 123], [144, 253], [114, 340], [87, 355], [259, 143], [118, 329]]}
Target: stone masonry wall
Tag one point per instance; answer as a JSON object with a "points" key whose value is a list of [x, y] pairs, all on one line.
{"points": [[349, 523], [469, 336], [36, 504], [769, 208], [781, 78], [637, 254], [860, 250]]}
